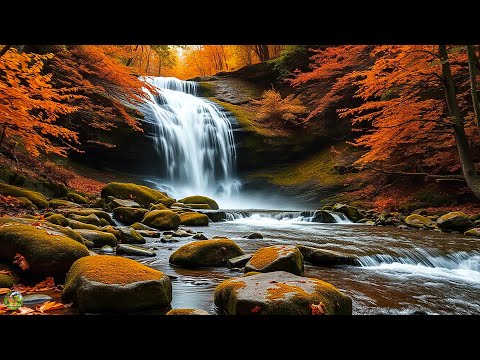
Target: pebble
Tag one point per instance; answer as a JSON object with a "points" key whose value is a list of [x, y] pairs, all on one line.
{"points": [[107, 249], [36, 299]]}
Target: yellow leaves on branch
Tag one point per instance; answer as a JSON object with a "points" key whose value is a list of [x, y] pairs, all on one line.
{"points": [[272, 107]]}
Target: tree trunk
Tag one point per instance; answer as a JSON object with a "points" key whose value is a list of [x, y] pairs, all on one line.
{"points": [[262, 52], [4, 131], [463, 148], [472, 67]]}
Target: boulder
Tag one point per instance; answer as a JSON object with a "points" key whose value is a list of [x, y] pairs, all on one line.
{"points": [[181, 233], [99, 238], [419, 222], [58, 219], [475, 232], [107, 250], [85, 212], [91, 219], [253, 236], [35, 197], [157, 207], [148, 233], [193, 219], [111, 284], [214, 215], [162, 219], [204, 253], [187, 312], [280, 293], [323, 257], [132, 250], [129, 215], [239, 261], [74, 224], [277, 258], [48, 252], [200, 236], [198, 199], [115, 203], [76, 198], [140, 226], [138, 193], [323, 216], [454, 221], [350, 211], [58, 203], [130, 236]]}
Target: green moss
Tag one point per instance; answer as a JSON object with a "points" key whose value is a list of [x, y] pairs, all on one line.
{"points": [[58, 203], [6, 281], [58, 219], [47, 252], [25, 203], [162, 219], [198, 199], [140, 226], [193, 219], [129, 215], [76, 198], [91, 219], [139, 193], [99, 238], [205, 253], [418, 221], [35, 197], [85, 212], [74, 224], [200, 206], [206, 89], [157, 207]]}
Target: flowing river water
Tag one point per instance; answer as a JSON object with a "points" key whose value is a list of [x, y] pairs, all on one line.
{"points": [[402, 271]]}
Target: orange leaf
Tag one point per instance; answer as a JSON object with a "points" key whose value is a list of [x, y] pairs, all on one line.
{"points": [[24, 310], [318, 309], [255, 309], [50, 306], [21, 262], [4, 290]]}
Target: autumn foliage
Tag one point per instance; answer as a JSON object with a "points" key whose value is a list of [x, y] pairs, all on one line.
{"points": [[273, 108]]}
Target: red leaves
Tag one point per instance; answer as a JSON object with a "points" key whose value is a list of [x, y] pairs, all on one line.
{"points": [[21, 262], [318, 309], [51, 306], [45, 285], [256, 309]]}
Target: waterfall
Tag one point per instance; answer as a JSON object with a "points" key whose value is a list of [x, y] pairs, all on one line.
{"points": [[193, 138]]}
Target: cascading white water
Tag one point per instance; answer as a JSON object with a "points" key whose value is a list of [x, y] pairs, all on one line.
{"points": [[194, 139]]}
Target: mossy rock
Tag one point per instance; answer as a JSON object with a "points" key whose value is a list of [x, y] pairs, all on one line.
{"points": [[26, 204], [132, 250], [58, 219], [162, 219], [157, 207], [114, 203], [129, 215], [187, 312], [326, 258], [139, 193], [99, 238], [85, 212], [7, 281], [76, 198], [130, 236], [91, 219], [35, 197], [322, 216], [193, 219], [214, 252], [419, 222], [140, 226], [49, 253], [74, 224], [58, 203], [198, 199], [349, 211], [475, 232], [111, 284], [277, 258], [454, 221], [200, 206], [280, 293]]}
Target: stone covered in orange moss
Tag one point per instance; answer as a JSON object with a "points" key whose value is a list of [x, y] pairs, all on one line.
{"points": [[112, 284], [194, 219], [280, 293], [187, 312], [276, 258], [205, 253]]}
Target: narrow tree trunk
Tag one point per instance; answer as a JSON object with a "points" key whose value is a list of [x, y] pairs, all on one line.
{"points": [[4, 131], [463, 148], [472, 67]]}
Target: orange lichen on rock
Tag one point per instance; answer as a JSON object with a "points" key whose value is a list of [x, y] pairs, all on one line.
{"points": [[265, 256], [231, 285], [280, 289]]}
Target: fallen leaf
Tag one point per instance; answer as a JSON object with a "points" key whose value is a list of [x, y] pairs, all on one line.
{"points": [[255, 309], [23, 310], [4, 290], [50, 306], [318, 309], [5, 272], [21, 262], [45, 285]]}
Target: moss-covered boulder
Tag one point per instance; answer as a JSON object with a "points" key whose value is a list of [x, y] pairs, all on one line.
{"points": [[204, 253], [24, 203], [419, 222], [350, 211], [157, 207], [99, 238], [475, 232], [140, 226], [110, 284], [162, 219], [277, 258], [91, 219], [129, 235], [129, 215], [327, 258], [114, 203], [187, 312], [280, 293], [35, 197], [322, 216], [200, 206], [74, 224], [139, 193], [198, 199], [454, 221], [85, 212], [49, 253], [193, 219], [7, 281], [76, 198], [58, 219], [59, 203]]}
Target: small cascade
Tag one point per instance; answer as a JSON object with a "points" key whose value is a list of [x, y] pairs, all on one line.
{"points": [[308, 216]]}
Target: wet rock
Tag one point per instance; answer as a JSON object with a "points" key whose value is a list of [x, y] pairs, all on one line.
{"points": [[214, 215], [76, 198], [85, 212], [475, 232], [99, 238], [162, 219], [129, 215], [139, 193], [403, 227], [149, 233], [280, 293], [113, 284], [181, 233], [34, 299], [139, 226], [187, 312], [193, 219], [199, 236], [58, 203], [323, 216], [277, 258], [130, 236], [239, 261], [203, 253], [370, 222], [454, 221], [114, 203], [168, 240], [127, 249], [323, 257], [350, 211], [197, 199], [106, 250], [419, 222], [254, 236], [91, 219]]}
